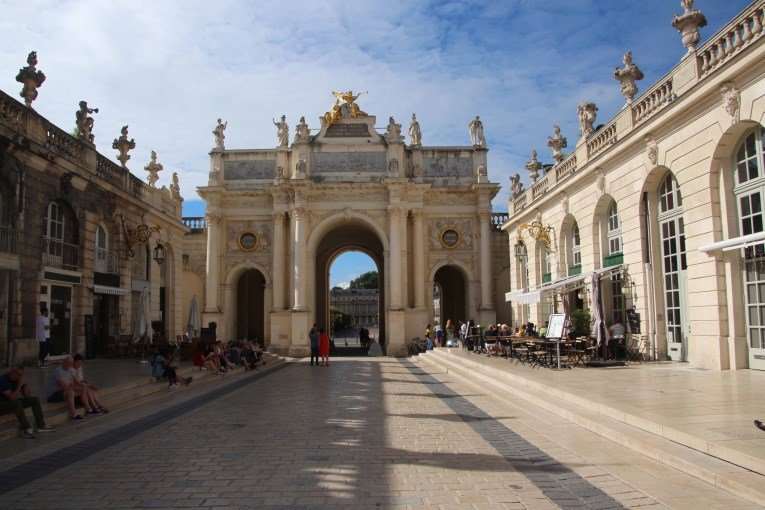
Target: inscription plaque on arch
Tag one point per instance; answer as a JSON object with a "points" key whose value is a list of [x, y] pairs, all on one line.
{"points": [[347, 131]]}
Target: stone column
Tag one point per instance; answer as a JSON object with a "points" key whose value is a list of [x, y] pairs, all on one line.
{"points": [[418, 255], [299, 218], [394, 213], [213, 262], [278, 261], [484, 216]]}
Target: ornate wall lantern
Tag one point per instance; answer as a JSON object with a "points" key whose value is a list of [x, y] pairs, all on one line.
{"points": [[520, 250], [159, 252]]}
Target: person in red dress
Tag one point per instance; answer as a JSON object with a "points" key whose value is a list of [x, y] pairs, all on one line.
{"points": [[324, 348]]}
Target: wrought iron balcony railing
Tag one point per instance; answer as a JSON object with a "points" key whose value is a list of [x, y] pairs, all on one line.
{"points": [[57, 253]]}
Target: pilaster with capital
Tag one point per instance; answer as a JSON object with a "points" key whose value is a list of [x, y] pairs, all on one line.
{"points": [[418, 255], [395, 214], [212, 281], [484, 216], [277, 263], [299, 230]]}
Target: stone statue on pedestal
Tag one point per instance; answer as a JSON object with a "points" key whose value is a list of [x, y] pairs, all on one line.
{"points": [[415, 135], [153, 168], [219, 136], [476, 133], [587, 113], [393, 133], [85, 122], [516, 186], [302, 133], [31, 78], [533, 166], [556, 143], [175, 187], [123, 145], [282, 132], [628, 76], [688, 24]]}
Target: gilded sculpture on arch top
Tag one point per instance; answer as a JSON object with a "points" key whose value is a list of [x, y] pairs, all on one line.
{"points": [[347, 109]]}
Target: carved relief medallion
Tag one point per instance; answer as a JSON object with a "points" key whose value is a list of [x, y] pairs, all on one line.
{"points": [[450, 238], [248, 240]]}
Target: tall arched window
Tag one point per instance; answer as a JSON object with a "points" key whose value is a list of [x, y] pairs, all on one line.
{"points": [[614, 231], [102, 249], [674, 266], [575, 264], [55, 222], [749, 190]]}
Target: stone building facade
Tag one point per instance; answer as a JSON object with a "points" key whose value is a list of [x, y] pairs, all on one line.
{"points": [[277, 218], [663, 206], [363, 305], [66, 215]]}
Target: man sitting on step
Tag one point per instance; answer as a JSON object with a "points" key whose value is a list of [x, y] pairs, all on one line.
{"points": [[61, 388], [15, 396]]}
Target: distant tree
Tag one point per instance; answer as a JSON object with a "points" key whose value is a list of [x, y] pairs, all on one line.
{"points": [[337, 287], [365, 281], [339, 320]]}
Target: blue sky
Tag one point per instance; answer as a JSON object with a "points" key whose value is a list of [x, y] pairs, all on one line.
{"points": [[169, 69]]}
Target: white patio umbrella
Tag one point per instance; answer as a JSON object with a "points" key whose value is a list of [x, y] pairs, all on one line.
{"points": [[143, 322], [600, 331], [194, 326]]}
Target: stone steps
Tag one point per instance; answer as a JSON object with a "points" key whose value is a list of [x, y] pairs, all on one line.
{"points": [[631, 432], [128, 395]]}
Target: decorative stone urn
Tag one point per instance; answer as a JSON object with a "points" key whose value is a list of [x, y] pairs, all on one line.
{"points": [[688, 24]]}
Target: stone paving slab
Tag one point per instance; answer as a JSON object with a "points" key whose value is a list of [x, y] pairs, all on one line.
{"points": [[712, 411], [359, 434]]}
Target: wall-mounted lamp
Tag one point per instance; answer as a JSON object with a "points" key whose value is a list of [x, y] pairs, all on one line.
{"points": [[159, 252]]}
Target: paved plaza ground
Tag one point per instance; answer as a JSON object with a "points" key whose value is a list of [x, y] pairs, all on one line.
{"points": [[362, 433]]}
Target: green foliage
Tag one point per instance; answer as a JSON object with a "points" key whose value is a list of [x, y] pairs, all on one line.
{"points": [[365, 281], [337, 288], [581, 322], [339, 319]]}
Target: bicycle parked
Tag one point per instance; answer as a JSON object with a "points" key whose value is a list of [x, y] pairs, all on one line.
{"points": [[417, 346]]}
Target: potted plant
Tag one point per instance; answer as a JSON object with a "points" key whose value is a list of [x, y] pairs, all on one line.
{"points": [[581, 322]]}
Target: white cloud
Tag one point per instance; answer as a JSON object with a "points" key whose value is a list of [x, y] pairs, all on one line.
{"points": [[169, 69], [342, 285]]}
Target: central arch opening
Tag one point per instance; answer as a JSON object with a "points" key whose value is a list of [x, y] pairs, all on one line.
{"points": [[351, 237], [354, 302]]}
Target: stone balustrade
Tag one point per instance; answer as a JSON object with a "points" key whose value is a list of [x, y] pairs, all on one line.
{"points": [[498, 218], [656, 97], [63, 144], [196, 224], [601, 139], [539, 188], [519, 203], [13, 114], [738, 34], [735, 37], [565, 168], [52, 142]]}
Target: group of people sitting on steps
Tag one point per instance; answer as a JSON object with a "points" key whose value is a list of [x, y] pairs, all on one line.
{"points": [[67, 383]]}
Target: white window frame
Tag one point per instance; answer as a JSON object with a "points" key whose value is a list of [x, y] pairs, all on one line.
{"points": [[614, 230], [576, 246], [56, 222]]}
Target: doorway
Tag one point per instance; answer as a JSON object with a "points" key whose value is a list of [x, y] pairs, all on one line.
{"points": [[450, 295], [250, 305], [60, 315]]}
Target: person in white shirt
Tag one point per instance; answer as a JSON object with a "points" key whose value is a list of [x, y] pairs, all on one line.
{"points": [[463, 331], [42, 334]]}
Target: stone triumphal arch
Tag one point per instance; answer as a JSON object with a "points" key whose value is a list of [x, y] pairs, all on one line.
{"points": [[277, 218]]}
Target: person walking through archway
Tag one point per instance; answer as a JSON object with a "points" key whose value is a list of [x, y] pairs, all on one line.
{"points": [[324, 347], [313, 337]]}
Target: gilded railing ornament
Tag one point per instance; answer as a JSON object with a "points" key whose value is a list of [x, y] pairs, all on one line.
{"points": [[537, 231], [347, 109], [140, 235]]}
